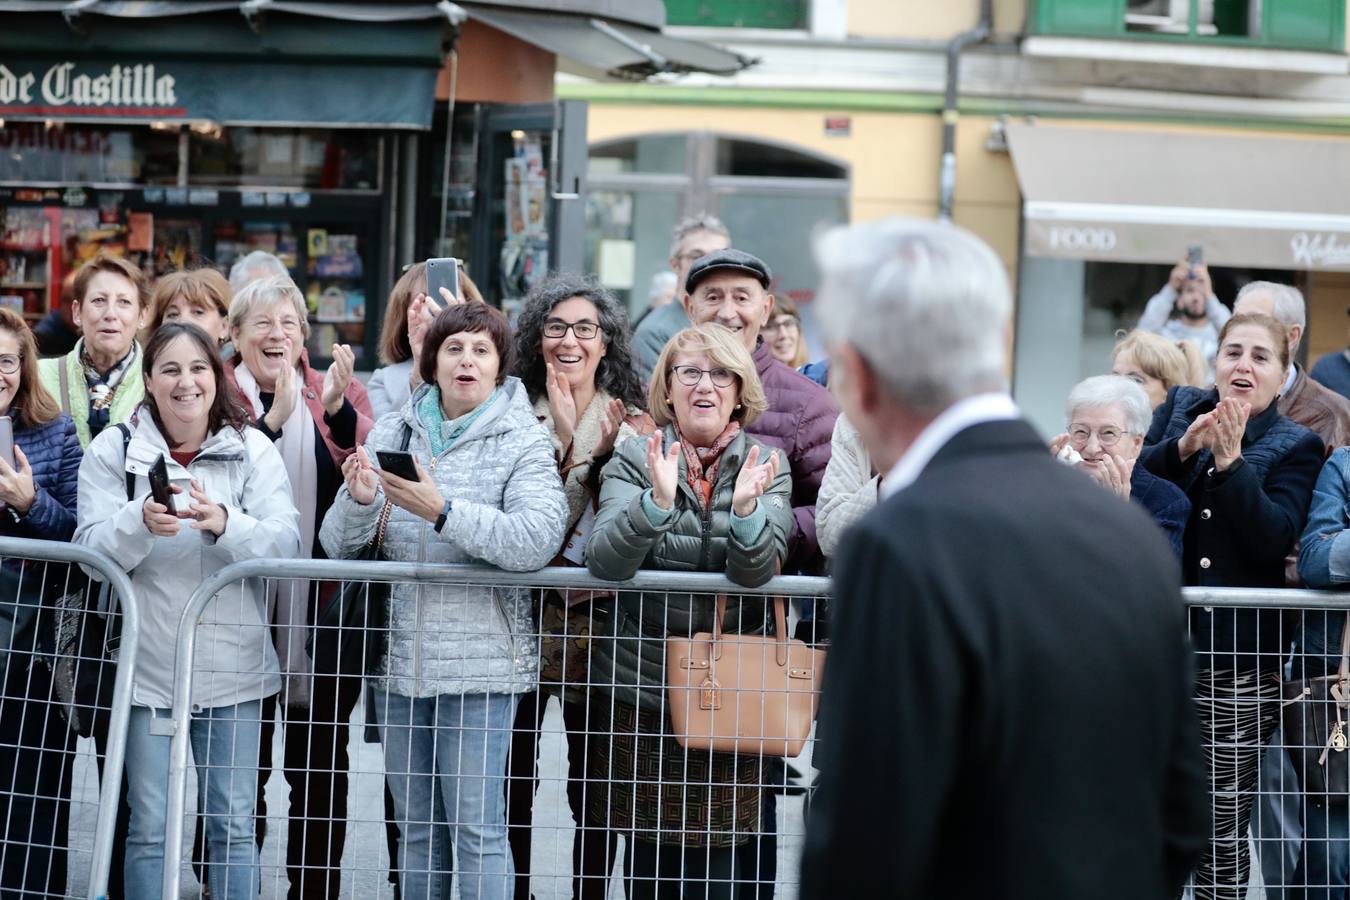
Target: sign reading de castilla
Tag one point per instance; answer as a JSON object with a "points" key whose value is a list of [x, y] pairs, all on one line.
{"points": [[59, 88]]}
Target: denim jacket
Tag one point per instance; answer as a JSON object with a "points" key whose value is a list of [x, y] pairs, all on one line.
{"points": [[1324, 556]]}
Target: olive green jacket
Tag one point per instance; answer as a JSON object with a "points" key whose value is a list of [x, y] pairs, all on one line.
{"points": [[75, 400]]}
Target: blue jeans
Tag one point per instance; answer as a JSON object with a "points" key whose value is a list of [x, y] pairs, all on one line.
{"points": [[225, 750], [1324, 870], [458, 742]]}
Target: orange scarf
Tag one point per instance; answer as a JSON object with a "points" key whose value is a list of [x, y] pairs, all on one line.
{"points": [[701, 464]]}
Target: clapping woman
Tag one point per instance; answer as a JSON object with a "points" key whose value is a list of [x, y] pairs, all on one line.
{"points": [[698, 495], [1249, 474]]}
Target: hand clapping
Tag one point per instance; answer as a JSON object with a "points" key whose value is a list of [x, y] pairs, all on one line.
{"points": [[663, 469], [362, 482], [752, 481]]}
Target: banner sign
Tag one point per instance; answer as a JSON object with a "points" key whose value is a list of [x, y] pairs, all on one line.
{"points": [[358, 95]]}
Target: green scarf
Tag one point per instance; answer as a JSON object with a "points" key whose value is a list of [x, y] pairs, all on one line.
{"points": [[442, 432]]}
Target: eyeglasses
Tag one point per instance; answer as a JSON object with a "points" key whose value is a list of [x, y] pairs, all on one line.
{"points": [[692, 375], [1079, 435], [265, 325], [787, 323], [9, 364], [556, 328]]}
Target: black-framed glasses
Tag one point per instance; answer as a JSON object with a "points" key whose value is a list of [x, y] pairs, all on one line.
{"points": [[9, 363], [692, 375], [556, 328]]}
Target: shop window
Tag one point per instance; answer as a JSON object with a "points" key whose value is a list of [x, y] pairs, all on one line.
{"points": [[752, 158], [31, 152], [660, 154], [738, 13], [1295, 24], [325, 159]]}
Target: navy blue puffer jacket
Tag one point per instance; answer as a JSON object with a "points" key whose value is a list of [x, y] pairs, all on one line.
{"points": [[53, 451]]}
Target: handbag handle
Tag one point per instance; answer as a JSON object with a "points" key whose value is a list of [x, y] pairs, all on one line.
{"points": [[779, 624]]}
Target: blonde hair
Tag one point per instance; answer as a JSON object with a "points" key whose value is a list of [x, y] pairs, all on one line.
{"points": [[723, 349], [1171, 362], [205, 288]]}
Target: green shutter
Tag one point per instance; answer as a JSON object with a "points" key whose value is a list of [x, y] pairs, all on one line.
{"points": [[737, 13], [1309, 24], [1096, 18]]}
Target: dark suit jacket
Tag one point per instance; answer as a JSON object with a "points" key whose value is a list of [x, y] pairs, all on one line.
{"points": [[1007, 708]]}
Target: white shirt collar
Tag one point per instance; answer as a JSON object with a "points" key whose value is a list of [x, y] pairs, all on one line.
{"points": [[1289, 380], [953, 420]]}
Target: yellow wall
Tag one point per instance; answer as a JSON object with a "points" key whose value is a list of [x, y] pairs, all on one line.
{"points": [[893, 158], [928, 18]]}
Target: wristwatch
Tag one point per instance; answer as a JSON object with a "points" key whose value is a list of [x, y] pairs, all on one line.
{"points": [[440, 520]]}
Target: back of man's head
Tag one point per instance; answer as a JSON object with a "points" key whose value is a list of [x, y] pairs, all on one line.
{"points": [[926, 305], [258, 264]]}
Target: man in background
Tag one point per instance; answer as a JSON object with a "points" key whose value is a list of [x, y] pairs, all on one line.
{"points": [[694, 237]]}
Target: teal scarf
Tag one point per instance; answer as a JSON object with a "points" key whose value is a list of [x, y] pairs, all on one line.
{"points": [[442, 432]]}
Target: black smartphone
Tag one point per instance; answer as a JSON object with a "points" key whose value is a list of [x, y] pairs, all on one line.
{"points": [[442, 272], [7, 440], [159, 484], [397, 462], [1195, 255]]}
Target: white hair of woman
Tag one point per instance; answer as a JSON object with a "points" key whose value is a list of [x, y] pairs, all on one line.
{"points": [[256, 265], [1101, 391], [263, 293], [926, 304]]}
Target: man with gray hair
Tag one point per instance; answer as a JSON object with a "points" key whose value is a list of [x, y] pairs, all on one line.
{"points": [[1009, 660], [694, 237], [1301, 399], [256, 265]]}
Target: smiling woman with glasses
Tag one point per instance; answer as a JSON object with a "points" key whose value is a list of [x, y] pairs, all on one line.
{"points": [[698, 495], [1108, 415], [573, 356]]}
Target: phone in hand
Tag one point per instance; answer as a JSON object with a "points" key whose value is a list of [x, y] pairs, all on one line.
{"points": [[7, 440], [397, 462], [442, 272], [1195, 257], [160, 491]]}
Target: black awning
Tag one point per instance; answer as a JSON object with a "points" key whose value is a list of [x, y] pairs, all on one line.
{"points": [[608, 47]]}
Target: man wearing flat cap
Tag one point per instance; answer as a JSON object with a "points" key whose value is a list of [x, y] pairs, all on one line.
{"points": [[731, 287]]}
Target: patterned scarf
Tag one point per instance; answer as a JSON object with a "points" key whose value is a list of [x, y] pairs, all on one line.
{"points": [[701, 463], [102, 388]]}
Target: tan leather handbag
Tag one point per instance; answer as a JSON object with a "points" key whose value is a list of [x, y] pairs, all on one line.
{"points": [[742, 693]]}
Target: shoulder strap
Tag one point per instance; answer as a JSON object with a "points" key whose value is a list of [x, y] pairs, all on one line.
{"points": [[65, 384], [126, 442], [383, 521], [407, 436]]}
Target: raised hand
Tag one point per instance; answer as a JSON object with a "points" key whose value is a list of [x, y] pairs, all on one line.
{"points": [[362, 482], [664, 470], [338, 376], [1058, 443], [561, 404], [210, 516], [752, 481], [16, 483], [1113, 473], [609, 428], [1230, 424], [1198, 436], [283, 396]]}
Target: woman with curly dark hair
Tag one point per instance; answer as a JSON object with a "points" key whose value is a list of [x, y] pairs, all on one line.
{"points": [[574, 357]]}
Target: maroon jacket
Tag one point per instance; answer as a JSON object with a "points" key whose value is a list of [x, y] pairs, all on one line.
{"points": [[799, 421]]}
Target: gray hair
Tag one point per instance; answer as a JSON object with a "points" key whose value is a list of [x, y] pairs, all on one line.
{"points": [[926, 304], [1288, 308], [694, 224], [662, 282], [258, 264], [265, 292], [1112, 390]]}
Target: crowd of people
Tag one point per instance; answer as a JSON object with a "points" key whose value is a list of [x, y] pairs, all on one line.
{"points": [[703, 439]]}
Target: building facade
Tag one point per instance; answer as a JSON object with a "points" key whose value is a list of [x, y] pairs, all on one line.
{"points": [[1091, 143]]}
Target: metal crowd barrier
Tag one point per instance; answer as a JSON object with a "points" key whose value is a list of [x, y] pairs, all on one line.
{"points": [[728, 818], [49, 823]]}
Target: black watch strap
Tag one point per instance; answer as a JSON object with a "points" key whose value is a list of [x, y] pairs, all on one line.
{"points": [[440, 520]]}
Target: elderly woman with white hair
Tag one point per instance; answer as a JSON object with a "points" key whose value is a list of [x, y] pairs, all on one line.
{"points": [[1108, 416], [315, 419]]}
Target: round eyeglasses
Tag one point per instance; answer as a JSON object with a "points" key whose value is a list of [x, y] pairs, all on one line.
{"points": [[9, 363], [692, 375], [556, 328], [1079, 435]]}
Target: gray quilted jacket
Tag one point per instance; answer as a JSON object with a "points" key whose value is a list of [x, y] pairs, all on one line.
{"points": [[628, 648], [508, 511]]}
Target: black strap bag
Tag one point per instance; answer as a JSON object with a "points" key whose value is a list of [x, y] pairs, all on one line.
{"points": [[1317, 730]]}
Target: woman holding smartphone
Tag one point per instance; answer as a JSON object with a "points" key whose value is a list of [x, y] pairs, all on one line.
{"points": [[233, 502]]}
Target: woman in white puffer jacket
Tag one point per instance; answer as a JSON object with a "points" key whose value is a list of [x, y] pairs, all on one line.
{"points": [[458, 658], [234, 503]]}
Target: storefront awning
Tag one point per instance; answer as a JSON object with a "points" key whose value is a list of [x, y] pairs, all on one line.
{"points": [[246, 62], [1127, 195], [596, 46]]}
